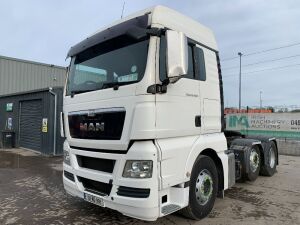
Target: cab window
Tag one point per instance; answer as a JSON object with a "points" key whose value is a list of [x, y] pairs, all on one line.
{"points": [[196, 62]]}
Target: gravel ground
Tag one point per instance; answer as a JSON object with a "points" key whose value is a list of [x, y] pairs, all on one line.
{"points": [[31, 192]]}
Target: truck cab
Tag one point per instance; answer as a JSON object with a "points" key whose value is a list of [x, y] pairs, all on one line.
{"points": [[143, 118]]}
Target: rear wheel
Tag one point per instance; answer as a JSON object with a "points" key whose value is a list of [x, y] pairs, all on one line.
{"points": [[269, 168], [203, 188], [254, 164]]}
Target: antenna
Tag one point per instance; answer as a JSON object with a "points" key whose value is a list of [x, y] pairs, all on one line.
{"points": [[123, 10]]}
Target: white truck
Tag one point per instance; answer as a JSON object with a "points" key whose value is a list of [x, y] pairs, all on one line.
{"points": [[144, 123]]}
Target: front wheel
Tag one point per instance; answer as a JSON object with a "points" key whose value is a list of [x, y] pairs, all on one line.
{"points": [[203, 188]]}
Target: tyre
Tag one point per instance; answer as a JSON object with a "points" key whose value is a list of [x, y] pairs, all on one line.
{"points": [[254, 164], [203, 188], [269, 168]]}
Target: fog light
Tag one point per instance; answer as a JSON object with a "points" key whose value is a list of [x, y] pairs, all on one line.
{"points": [[67, 159], [138, 169]]}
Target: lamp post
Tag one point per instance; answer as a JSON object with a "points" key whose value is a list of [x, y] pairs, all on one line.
{"points": [[260, 99], [240, 81]]}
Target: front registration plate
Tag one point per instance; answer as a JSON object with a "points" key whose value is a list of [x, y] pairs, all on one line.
{"points": [[93, 199]]}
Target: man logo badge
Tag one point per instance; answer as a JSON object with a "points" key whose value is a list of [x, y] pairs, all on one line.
{"points": [[94, 127], [91, 127], [100, 126]]}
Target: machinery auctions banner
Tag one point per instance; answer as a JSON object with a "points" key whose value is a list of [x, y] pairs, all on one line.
{"points": [[280, 125]]}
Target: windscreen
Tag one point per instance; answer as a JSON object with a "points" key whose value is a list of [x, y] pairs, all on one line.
{"points": [[117, 62]]}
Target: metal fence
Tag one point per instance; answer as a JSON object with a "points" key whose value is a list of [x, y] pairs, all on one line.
{"points": [[265, 109]]}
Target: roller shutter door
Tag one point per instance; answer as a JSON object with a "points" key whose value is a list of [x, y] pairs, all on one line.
{"points": [[30, 125]]}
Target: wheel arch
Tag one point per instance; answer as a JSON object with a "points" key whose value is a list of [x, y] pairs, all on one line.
{"points": [[262, 153], [218, 163], [213, 146]]}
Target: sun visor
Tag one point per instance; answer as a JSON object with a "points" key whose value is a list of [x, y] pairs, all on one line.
{"points": [[109, 33]]}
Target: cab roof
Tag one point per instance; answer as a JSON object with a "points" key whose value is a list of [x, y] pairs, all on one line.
{"points": [[157, 16]]}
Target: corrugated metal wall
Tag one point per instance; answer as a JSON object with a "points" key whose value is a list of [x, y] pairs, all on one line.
{"points": [[47, 101], [21, 76]]}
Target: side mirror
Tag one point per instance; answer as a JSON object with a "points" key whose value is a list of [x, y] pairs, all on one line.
{"points": [[177, 54]]}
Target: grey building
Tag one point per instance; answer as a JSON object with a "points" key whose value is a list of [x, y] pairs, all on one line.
{"points": [[30, 105]]}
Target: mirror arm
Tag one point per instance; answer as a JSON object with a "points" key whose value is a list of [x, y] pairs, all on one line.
{"points": [[166, 81], [174, 79], [158, 88], [138, 33], [156, 31]]}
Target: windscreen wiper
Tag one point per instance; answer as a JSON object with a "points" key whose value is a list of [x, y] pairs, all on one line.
{"points": [[115, 85], [80, 91]]}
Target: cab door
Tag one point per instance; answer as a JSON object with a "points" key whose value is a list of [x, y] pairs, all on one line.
{"points": [[178, 119], [178, 110], [209, 90]]}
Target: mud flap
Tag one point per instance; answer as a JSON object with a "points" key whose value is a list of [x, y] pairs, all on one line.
{"points": [[231, 169]]}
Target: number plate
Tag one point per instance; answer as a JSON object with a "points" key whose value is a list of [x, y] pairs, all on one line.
{"points": [[93, 199]]}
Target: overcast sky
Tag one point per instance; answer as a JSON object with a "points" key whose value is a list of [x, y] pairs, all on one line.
{"points": [[44, 31]]}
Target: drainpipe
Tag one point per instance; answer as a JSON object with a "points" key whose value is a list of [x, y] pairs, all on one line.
{"points": [[55, 119]]}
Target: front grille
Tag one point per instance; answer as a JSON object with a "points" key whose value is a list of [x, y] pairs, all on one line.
{"points": [[104, 165], [95, 187], [133, 192], [101, 124], [68, 175], [100, 150]]}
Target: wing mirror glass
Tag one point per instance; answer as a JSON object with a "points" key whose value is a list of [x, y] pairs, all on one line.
{"points": [[177, 54]]}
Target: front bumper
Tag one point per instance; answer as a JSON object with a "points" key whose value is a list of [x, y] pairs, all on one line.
{"points": [[149, 214], [141, 208]]}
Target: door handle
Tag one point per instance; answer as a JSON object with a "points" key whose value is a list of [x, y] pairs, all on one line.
{"points": [[198, 121]]}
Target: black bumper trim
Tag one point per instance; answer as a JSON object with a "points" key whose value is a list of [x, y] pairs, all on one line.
{"points": [[69, 176], [133, 192], [95, 187]]}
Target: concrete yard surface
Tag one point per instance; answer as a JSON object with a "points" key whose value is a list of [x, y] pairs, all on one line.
{"points": [[31, 192]]}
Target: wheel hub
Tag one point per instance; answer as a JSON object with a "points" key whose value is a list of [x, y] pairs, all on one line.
{"points": [[204, 187], [271, 158], [254, 160]]}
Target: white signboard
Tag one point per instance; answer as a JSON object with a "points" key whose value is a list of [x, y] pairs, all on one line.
{"points": [[270, 124]]}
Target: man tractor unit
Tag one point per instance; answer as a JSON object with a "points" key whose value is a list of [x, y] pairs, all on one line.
{"points": [[143, 118]]}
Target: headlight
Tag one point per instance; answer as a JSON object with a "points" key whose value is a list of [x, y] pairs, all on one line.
{"points": [[138, 169], [67, 157]]}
